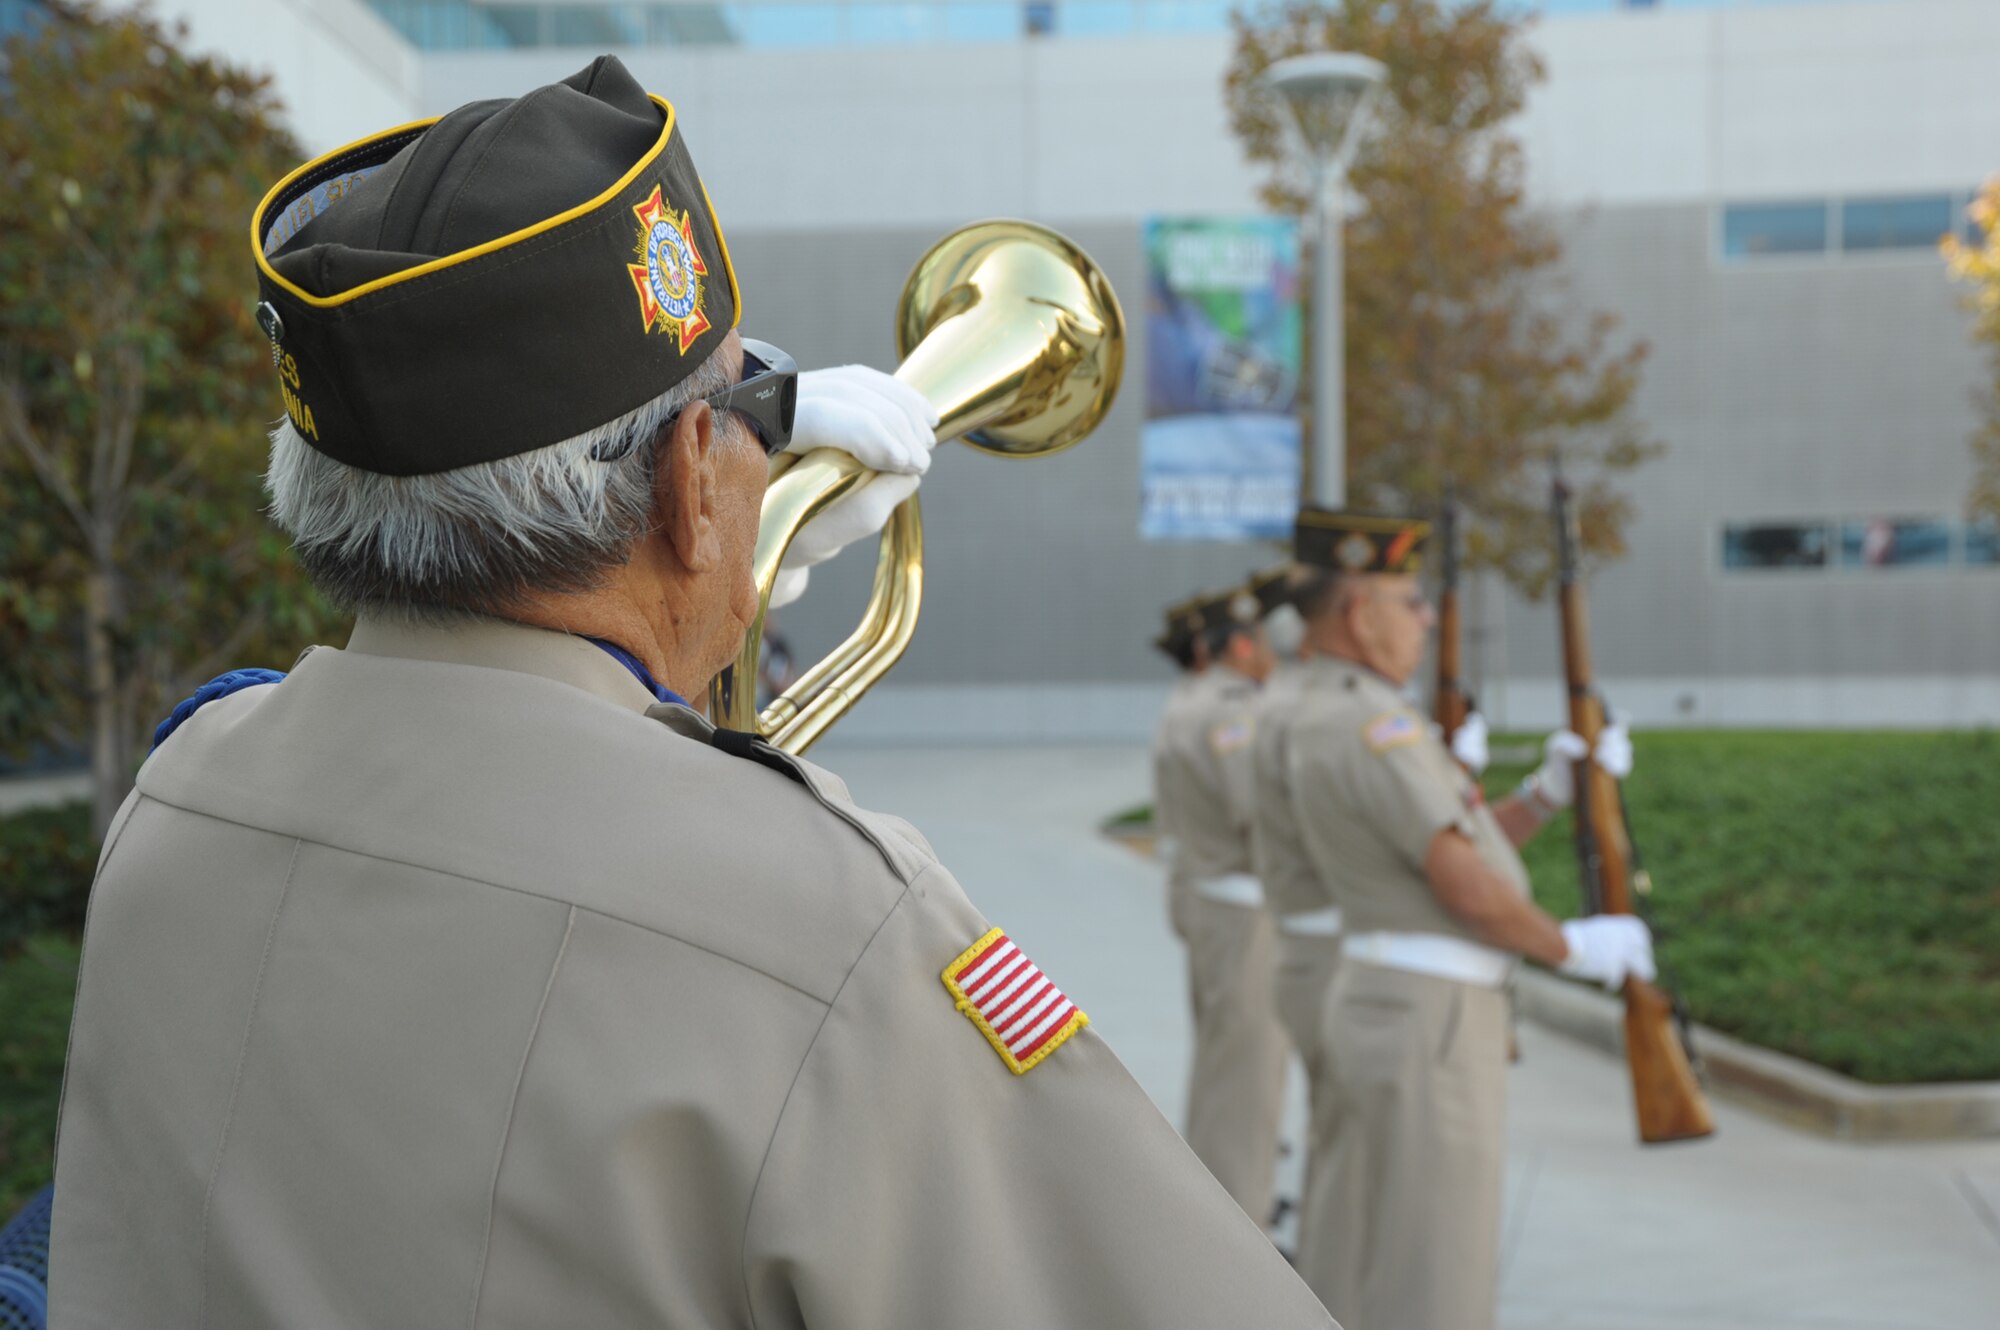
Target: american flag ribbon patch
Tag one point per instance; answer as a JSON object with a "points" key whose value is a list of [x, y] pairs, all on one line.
{"points": [[1019, 1010], [1391, 728]]}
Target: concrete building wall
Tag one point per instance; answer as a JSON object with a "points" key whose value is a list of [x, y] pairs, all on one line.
{"points": [[340, 71]]}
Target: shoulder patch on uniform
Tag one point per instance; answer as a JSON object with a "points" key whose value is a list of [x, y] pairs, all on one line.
{"points": [[1392, 729], [1017, 1007], [1231, 737]]}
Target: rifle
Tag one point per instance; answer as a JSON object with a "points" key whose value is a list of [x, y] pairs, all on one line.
{"points": [[1452, 703], [1665, 1091]]}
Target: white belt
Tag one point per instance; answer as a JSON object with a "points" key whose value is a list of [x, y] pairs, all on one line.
{"points": [[1312, 923], [1232, 889], [1431, 953]]}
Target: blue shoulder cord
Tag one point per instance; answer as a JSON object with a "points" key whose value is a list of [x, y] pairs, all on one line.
{"points": [[222, 685]]}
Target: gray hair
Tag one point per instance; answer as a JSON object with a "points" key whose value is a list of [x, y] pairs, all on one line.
{"points": [[1317, 591], [475, 539]]}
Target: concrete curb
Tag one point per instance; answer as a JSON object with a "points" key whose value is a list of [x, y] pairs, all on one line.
{"points": [[1790, 1089]]}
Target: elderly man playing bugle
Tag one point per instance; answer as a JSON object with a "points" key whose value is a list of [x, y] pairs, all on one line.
{"points": [[466, 976]]}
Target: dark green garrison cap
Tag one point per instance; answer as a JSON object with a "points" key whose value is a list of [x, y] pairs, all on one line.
{"points": [[493, 281], [1359, 542]]}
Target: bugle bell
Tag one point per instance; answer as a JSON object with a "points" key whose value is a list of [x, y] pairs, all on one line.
{"points": [[1015, 336]]}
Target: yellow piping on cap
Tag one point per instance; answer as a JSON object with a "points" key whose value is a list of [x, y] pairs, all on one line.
{"points": [[436, 265], [1362, 522], [728, 265]]}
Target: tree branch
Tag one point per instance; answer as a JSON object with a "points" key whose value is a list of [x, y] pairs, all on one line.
{"points": [[21, 432]]}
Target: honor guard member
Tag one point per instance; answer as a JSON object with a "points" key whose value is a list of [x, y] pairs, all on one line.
{"points": [[1180, 642], [1301, 904], [467, 976], [1434, 913], [1236, 1080]]}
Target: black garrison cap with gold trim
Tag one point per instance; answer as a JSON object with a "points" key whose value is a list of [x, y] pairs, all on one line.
{"points": [[1359, 542], [494, 281], [1272, 588]]}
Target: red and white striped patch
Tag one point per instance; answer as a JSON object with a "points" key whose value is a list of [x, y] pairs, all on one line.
{"points": [[1017, 1007]]}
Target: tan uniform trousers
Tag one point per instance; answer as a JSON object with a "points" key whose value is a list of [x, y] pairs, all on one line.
{"points": [[1419, 1072], [1236, 1086], [1306, 966]]}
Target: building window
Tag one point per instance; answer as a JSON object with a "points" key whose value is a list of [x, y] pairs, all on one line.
{"points": [[1762, 230], [1775, 545], [1982, 543], [1916, 221], [1890, 542]]}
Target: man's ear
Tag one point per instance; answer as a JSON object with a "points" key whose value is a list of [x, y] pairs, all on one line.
{"points": [[684, 489]]}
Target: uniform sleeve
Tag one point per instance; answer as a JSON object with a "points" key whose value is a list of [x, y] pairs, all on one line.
{"points": [[1229, 742], [915, 1179], [1384, 770]]}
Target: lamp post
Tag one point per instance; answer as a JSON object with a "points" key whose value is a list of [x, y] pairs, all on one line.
{"points": [[1331, 95]]}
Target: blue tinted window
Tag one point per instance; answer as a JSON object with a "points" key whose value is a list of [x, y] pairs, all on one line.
{"points": [[1884, 542], [1915, 222], [881, 25], [1774, 545], [1186, 16], [1982, 543], [597, 25], [786, 25], [1097, 18], [1755, 230]]}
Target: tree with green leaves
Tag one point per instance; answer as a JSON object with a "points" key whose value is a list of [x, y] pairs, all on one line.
{"points": [[1978, 263], [1461, 362], [135, 387]]}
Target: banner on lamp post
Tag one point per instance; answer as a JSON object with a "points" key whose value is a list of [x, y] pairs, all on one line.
{"points": [[1219, 452]]}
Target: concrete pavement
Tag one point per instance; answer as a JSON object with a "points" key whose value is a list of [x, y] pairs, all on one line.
{"points": [[1760, 1228]]}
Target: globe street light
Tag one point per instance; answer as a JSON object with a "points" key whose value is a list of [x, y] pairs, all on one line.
{"points": [[1331, 95]]}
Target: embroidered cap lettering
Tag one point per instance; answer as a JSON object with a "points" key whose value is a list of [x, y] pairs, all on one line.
{"points": [[1017, 1007]]}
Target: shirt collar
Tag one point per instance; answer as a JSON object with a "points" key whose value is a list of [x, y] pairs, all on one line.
{"points": [[639, 671]]}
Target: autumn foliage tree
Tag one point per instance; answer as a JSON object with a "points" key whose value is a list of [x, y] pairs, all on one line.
{"points": [[1979, 264], [1462, 362], [135, 387]]}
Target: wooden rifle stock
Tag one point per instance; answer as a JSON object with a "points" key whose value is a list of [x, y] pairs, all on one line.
{"points": [[1665, 1091], [1451, 704]]}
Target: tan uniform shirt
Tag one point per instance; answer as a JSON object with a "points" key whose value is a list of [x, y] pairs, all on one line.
{"points": [[1203, 764], [1371, 786], [455, 982], [1291, 884]]}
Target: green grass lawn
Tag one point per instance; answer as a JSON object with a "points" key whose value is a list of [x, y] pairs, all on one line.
{"points": [[1832, 895], [37, 985], [1835, 896]]}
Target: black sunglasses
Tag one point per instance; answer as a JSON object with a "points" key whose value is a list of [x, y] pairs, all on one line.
{"points": [[767, 396]]}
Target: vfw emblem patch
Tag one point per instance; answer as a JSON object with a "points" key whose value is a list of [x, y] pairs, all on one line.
{"points": [[1022, 1014], [669, 279]]}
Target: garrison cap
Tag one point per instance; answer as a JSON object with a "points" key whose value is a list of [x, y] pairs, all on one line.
{"points": [[1359, 542], [493, 281], [1183, 626], [1272, 588]]}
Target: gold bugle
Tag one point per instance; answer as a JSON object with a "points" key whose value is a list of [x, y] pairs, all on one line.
{"points": [[1015, 336]]}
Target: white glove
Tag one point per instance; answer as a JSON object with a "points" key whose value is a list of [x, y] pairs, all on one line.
{"points": [[1468, 745], [1554, 781], [1608, 948], [1614, 747], [788, 586], [882, 423]]}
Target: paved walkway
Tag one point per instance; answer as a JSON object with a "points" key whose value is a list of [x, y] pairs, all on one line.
{"points": [[1760, 1228]]}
